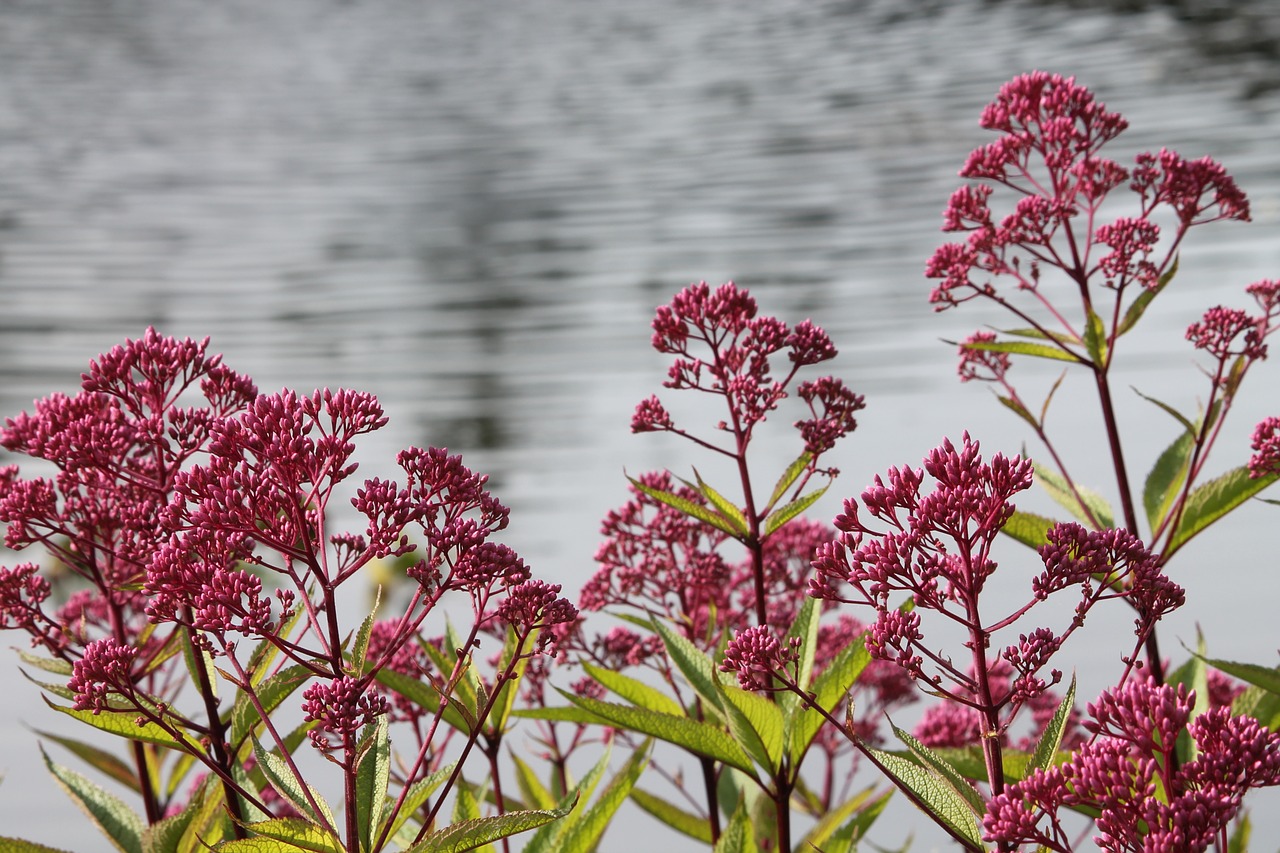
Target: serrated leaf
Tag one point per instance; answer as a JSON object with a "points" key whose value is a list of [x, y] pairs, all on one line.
{"points": [[1028, 528], [689, 508], [1262, 705], [804, 628], [199, 663], [783, 514], [1042, 757], [476, 833], [288, 785], [686, 823], [723, 505], [508, 691], [1139, 305], [740, 835], [1023, 348], [1165, 481], [120, 723], [1212, 500], [1251, 673], [789, 477], [697, 737], [106, 763], [1038, 335], [466, 809], [634, 691], [699, 669], [757, 725], [118, 822], [57, 667], [299, 834], [949, 808], [18, 845], [585, 833], [372, 778], [547, 838], [1060, 490], [943, 771]]}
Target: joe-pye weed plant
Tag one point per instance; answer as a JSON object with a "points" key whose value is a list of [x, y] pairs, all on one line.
{"points": [[207, 635]]}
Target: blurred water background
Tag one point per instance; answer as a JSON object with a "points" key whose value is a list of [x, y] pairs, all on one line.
{"points": [[471, 210]]}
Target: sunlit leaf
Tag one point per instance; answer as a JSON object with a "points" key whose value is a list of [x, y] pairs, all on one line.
{"points": [[783, 514], [789, 477], [471, 834], [757, 725], [1018, 409], [296, 832], [1095, 336], [689, 508], [1028, 528], [118, 822], [584, 835], [699, 669], [1046, 750], [1166, 479], [372, 778], [1212, 500], [122, 724], [943, 770], [633, 690], [723, 505], [1024, 348], [1139, 305], [948, 807], [287, 784], [686, 823], [1060, 490]]}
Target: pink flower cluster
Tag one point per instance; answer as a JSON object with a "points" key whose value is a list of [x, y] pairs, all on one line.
{"points": [[1144, 798], [937, 550], [738, 367]]}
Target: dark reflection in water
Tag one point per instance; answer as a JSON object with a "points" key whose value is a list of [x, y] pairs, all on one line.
{"points": [[472, 209]]}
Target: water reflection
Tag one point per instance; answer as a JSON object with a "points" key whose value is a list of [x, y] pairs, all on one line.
{"points": [[472, 209]]}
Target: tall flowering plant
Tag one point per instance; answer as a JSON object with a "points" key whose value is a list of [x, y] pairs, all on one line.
{"points": [[198, 515], [686, 565]]}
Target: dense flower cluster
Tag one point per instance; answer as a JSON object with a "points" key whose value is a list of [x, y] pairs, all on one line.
{"points": [[1266, 449], [755, 654], [937, 550], [1117, 776], [340, 708]]}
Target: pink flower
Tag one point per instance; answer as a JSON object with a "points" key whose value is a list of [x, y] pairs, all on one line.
{"points": [[104, 670], [341, 707], [756, 655], [1265, 461]]}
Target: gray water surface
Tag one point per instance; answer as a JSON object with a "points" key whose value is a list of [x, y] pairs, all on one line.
{"points": [[471, 210]]}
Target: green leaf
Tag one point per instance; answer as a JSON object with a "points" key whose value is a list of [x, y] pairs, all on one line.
{"points": [[697, 737], [1019, 410], [299, 834], [17, 845], [722, 504], [1187, 426], [508, 690], [288, 785], [1060, 490], [419, 791], [560, 714], [689, 508], [373, 775], [686, 823], [939, 798], [106, 763], [1262, 705], [835, 832], [1139, 305], [117, 821], [57, 667], [585, 833], [782, 515], [789, 477], [1095, 336], [471, 834], [531, 787], [271, 692], [692, 663], [1238, 842], [739, 836], [1047, 746], [634, 691], [1214, 499], [757, 725], [122, 724], [465, 809], [1028, 528], [829, 689], [1165, 481], [943, 771], [422, 694], [805, 628], [1264, 677], [1023, 348], [198, 660], [547, 838], [360, 648]]}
